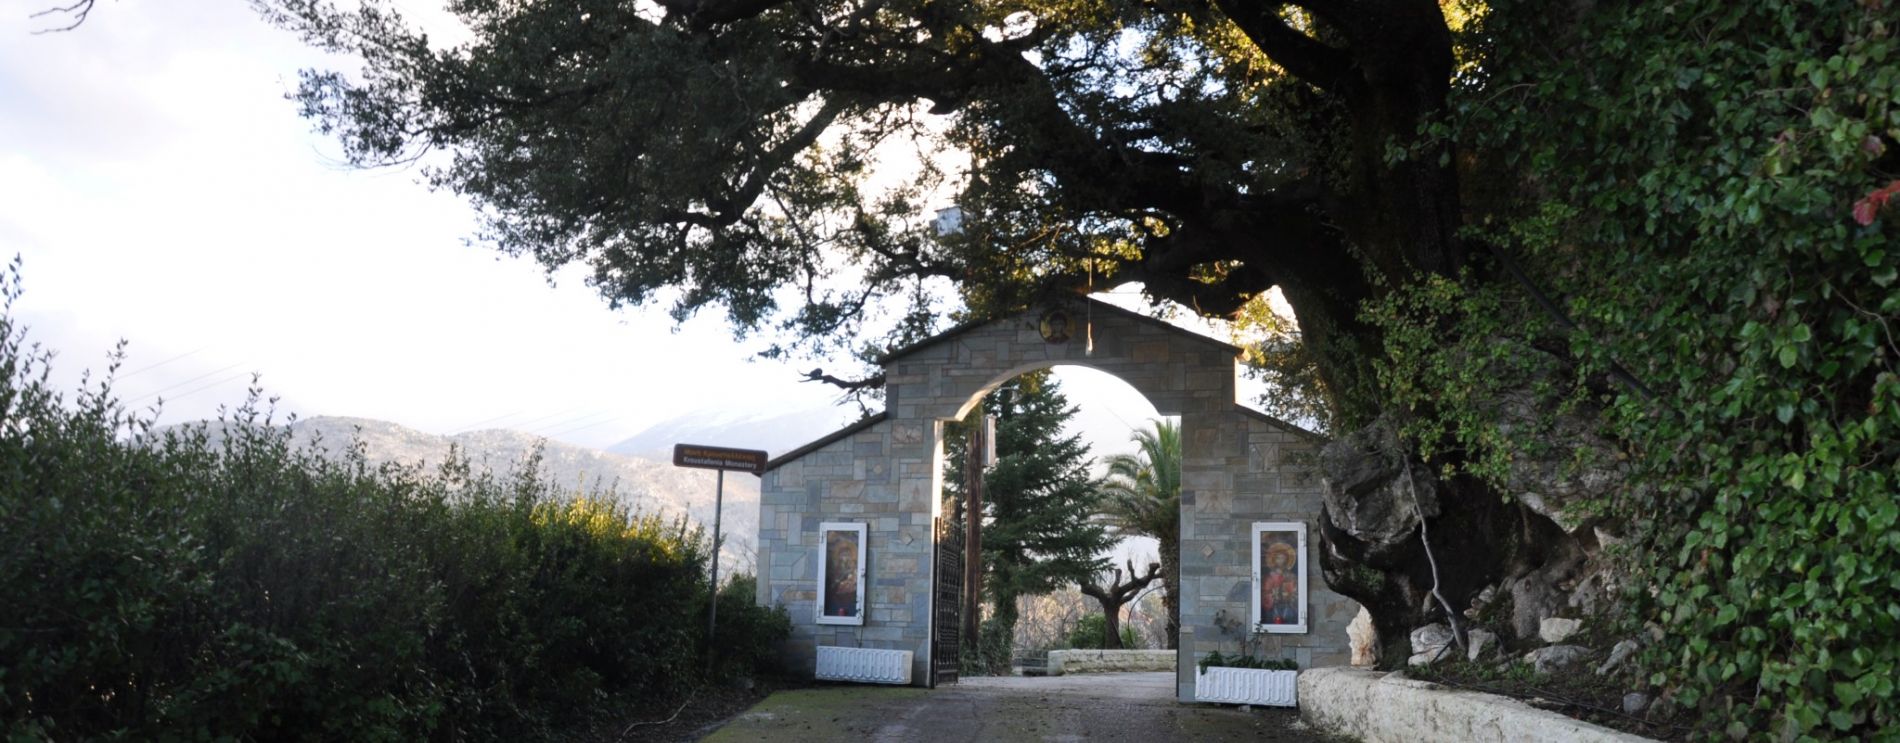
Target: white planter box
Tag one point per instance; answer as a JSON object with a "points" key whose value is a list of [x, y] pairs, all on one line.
{"points": [[864, 665], [1247, 686]]}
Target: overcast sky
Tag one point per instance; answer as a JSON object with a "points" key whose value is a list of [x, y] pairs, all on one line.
{"points": [[160, 189]]}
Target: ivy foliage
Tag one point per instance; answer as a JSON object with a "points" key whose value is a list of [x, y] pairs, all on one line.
{"points": [[1700, 188]]}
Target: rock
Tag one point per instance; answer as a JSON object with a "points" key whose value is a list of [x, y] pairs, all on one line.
{"points": [[1364, 639], [1635, 702], [1654, 630], [1618, 655], [1365, 492], [1431, 638], [1556, 657], [1564, 461], [1589, 593], [1481, 600], [1478, 641], [1533, 599], [1422, 659], [1663, 706], [1558, 629]]}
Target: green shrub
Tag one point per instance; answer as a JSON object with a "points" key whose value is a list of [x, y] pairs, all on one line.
{"points": [[994, 651], [208, 582], [746, 639], [1091, 632]]}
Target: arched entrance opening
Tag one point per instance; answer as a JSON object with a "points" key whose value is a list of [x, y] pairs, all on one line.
{"points": [[1067, 552], [1247, 483]]}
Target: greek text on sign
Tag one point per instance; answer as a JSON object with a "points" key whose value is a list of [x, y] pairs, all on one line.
{"points": [[718, 458]]}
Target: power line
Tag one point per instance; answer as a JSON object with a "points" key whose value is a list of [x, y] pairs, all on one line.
{"points": [[186, 382], [570, 421], [219, 383], [486, 421], [532, 421], [566, 431], [149, 367]]}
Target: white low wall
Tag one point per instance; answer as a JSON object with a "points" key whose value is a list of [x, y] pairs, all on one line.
{"points": [[1377, 708], [1109, 661]]}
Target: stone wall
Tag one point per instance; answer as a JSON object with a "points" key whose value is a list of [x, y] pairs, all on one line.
{"points": [[851, 479], [1254, 469], [1239, 467], [1389, 708], [1109, 661]]}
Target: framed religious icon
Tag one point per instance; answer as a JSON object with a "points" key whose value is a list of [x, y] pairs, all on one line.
{"points": [[1279, 576], [841, 573], [1054, 326]]}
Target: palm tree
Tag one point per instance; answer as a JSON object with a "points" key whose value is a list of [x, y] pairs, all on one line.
{"points": [[1142, 495]]}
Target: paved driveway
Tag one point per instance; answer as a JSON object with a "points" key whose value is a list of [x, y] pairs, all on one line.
{"points": [[1093, 707]]}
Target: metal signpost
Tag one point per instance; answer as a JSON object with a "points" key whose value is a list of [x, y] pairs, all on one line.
{"points": [[721, 459]]}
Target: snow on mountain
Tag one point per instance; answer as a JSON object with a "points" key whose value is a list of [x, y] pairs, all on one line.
{"points": [[775, 433]]}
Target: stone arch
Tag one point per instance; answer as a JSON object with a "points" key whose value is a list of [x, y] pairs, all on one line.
{"points": [[1239, 467]]}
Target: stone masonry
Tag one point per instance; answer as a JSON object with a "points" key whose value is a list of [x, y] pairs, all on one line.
{"points": [[1239, 466]]}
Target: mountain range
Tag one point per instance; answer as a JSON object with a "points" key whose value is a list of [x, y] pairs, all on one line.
{"points": [[775, 433], [646, 484]]}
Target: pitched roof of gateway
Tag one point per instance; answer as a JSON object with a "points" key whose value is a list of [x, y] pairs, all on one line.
{"points": [[1301, 430], [826, 440], [1091, 305], [1089, 302], [872, 420]]}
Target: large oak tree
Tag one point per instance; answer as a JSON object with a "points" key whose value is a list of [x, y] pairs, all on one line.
{"points": [[745, 154], [1656, 229]]}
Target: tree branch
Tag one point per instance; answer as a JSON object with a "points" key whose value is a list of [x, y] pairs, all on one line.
{"points": [[730, 209], [78, 10], [875, 381], [702, 15], [1305, 57]]}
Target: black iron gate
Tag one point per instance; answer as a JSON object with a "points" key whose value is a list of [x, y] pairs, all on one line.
{"points": [[945, 652]]}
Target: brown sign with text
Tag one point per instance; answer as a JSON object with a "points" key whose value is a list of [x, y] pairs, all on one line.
{"points": [[719, 458]]}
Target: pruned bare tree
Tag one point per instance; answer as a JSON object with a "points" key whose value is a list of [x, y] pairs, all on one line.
{"points": [[1112, 594]]}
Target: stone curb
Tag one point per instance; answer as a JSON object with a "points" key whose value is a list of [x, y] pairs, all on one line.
{"points": [[1377, 707], [1109, 661]]}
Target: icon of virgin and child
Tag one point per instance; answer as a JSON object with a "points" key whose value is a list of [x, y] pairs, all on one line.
{"points": [[1279, 579], [841, 574]]}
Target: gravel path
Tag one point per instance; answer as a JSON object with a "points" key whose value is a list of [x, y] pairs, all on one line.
{"points": [[1093, 707]]}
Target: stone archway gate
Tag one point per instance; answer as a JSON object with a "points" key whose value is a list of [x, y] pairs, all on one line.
{"points": [[880, 478]]}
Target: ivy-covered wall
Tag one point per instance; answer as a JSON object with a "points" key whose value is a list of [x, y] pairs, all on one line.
{"points": [[1698, 194]]}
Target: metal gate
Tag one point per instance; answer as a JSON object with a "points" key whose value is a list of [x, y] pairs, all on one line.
{"points": [[945, 651]]}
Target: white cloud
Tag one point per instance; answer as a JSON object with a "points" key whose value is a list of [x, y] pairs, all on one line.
{"points": [[162, 190]]}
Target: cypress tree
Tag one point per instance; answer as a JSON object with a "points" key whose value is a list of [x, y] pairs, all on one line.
{"points": [[1037, 503]]}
